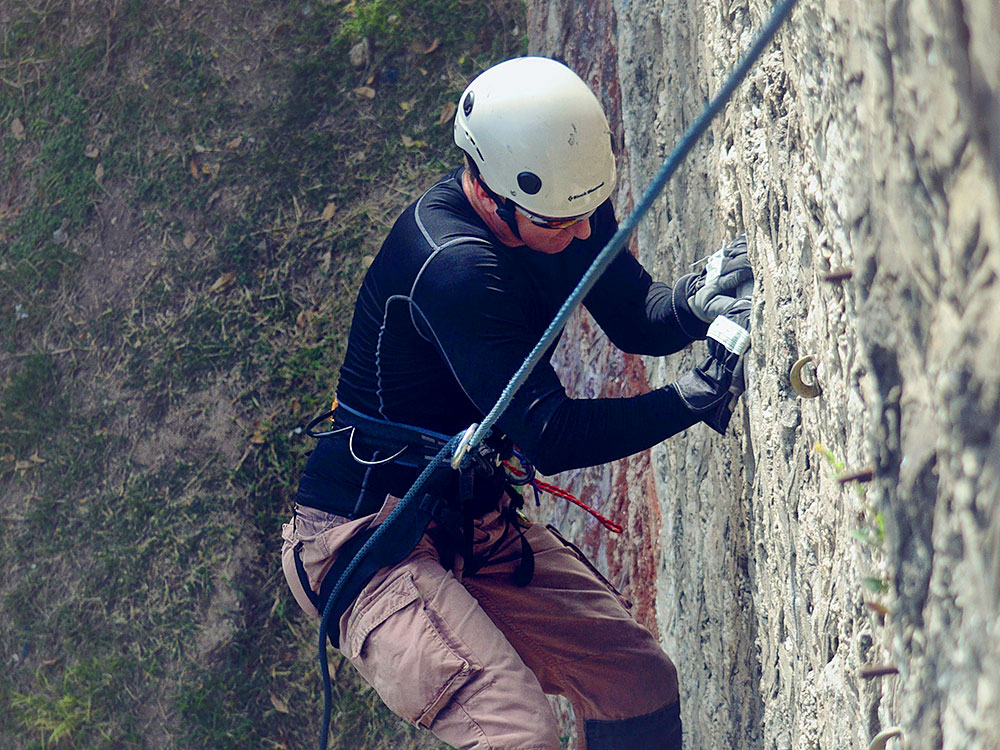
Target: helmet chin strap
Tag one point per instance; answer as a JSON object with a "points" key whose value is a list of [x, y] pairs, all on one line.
{"points": [[505, 209], [506, 212]]}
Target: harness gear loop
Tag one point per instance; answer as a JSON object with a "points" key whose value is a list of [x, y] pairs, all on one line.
{"points": [[378, 462], [327, 415], [412, 446], [523, 475]]}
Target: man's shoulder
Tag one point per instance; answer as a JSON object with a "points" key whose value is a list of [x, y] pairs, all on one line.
{"points": [[444, 217]]}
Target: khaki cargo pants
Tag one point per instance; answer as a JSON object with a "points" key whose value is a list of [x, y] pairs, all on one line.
{"points": [[470, 658]]}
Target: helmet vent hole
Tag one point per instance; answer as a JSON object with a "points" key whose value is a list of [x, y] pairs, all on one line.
{"points": [[529, 182], [467, 103]]}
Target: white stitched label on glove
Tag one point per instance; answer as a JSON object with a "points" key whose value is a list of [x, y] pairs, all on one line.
{"points": [[731, 335]]}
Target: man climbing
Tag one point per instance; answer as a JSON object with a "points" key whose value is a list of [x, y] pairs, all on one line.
{"points": [[487, 613]]}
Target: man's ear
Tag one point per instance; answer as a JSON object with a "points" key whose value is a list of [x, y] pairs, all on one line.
{"points": [[482, 196]]}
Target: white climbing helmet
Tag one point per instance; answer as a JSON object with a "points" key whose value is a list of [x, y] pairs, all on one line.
{"points": [[538, 136]]}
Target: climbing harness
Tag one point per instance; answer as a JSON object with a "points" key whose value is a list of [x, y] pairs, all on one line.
{"points": [[408, 445], [437, 495], [407, 521]]}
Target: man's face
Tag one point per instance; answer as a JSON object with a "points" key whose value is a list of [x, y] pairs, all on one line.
{"points": [[550, 241]]}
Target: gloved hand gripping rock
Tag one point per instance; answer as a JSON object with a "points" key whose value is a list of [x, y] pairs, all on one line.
{"points": [[710, 390], [726, 277]]}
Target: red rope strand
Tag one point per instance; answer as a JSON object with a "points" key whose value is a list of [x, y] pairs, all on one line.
{"points": [[552, 489]]}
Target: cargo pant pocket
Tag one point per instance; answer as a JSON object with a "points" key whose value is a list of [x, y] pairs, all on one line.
{"points": [[406, 652]]}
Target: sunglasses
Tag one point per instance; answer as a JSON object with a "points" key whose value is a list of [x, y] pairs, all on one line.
{"points": [[547, 223]]}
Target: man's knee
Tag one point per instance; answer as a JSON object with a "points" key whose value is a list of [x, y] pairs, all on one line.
{"points": [[635, 681], [668, 678], [654, 682]]}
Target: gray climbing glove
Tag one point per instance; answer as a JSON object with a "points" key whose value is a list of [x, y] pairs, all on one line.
{"points": [[726, 277], [710, 390]]}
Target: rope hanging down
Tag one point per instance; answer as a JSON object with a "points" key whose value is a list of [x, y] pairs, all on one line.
{"points": [[617, 242], [410, 497], [459, 455]]}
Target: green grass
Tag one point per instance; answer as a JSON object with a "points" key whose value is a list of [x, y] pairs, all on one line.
{"points": [[58, 182], [189, 198]]}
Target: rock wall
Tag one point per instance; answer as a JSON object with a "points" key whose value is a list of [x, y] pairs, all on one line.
{"points": [[862, 158]]}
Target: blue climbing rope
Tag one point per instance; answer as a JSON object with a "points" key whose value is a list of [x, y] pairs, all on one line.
{"points": [[600, 264], [617, 242]]}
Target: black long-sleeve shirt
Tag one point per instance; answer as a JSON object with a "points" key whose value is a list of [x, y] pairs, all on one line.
{"points": [[447, 314]]}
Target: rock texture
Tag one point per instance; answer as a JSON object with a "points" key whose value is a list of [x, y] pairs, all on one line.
{"points": [[862, 158]]}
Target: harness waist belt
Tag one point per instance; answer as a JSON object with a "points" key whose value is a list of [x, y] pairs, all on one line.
{"points": [[402, 444]]}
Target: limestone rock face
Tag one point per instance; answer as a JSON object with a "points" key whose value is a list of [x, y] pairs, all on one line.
{"points": [[862, 158]]}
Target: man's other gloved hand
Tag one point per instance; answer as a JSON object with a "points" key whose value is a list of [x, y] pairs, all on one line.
{"points": [[711, 389], [727, 276], [729, 334]]}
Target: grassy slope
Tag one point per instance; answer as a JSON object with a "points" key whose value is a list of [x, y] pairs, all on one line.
{"points": [[189, 194]]}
